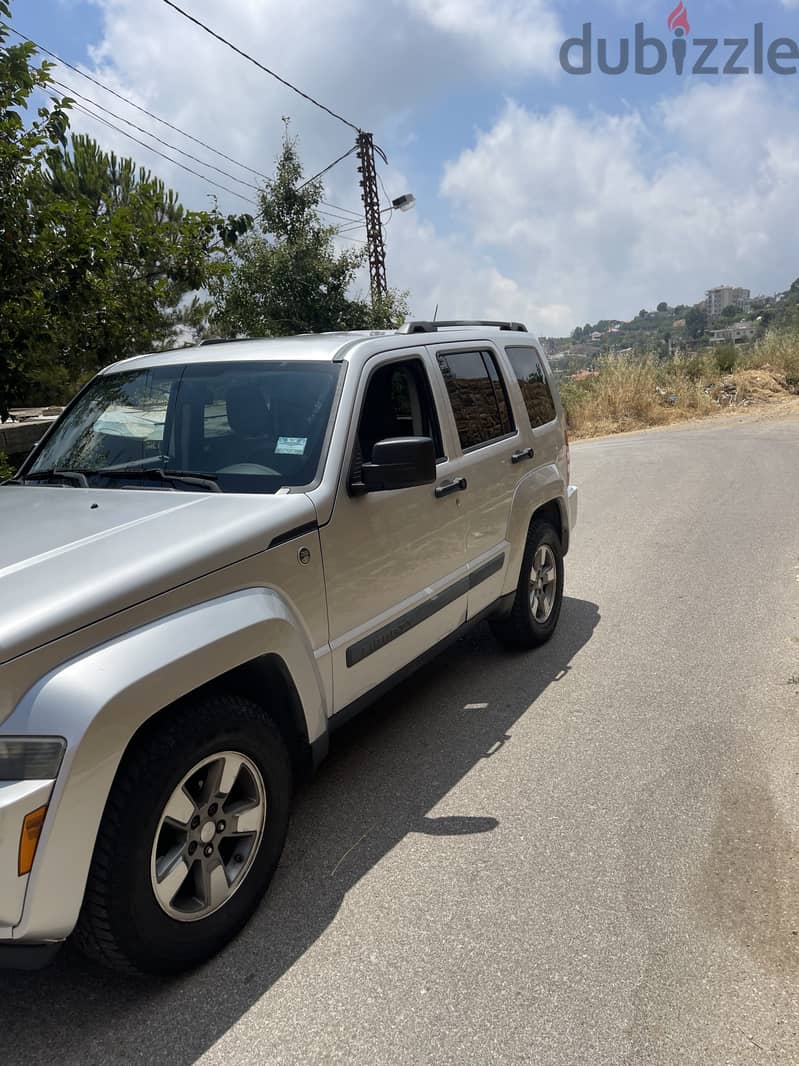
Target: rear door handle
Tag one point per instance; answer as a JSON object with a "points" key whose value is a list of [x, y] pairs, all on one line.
{"points": [[449, 487], [519, 457]]}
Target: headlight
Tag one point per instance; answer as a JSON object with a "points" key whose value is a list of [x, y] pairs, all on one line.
{"points": [[30, 758]]}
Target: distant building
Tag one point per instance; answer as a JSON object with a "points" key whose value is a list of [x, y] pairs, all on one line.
{"points": [[716, 300], [596, 336], [679, 324], [737, 334]]}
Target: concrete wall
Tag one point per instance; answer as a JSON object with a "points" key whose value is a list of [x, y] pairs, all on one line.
{"points": [[17, 438]]}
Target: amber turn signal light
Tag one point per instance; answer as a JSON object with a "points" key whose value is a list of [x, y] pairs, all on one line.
{"points": [[29, 838]]}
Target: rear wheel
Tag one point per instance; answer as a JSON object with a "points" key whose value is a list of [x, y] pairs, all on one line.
{"points": [[191, 836], [539, 594]]}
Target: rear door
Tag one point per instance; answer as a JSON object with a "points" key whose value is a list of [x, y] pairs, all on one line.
{"points": [[530, 376], [489, 450]]}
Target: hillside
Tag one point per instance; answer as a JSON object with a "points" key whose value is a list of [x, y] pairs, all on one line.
{"points": [[665, 331]]}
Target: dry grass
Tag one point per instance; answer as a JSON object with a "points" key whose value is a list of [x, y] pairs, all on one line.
{"points": [[630, 394]]}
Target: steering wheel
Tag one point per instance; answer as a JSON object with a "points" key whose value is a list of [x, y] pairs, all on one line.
{"points": [[248, 468]]}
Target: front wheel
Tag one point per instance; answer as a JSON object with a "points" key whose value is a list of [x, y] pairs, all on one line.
{"points": [[191, 836], [539, 594]]}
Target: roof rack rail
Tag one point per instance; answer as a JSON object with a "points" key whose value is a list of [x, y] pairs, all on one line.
{"points": [[223, 340], [433, 327]]}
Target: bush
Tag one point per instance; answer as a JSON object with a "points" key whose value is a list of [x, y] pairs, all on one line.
{"points": [[694, 367], [780, 351], [726, 358], [6, 469]]}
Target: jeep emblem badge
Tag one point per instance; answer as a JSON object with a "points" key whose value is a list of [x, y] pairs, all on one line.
{"points": [[304, 555]]}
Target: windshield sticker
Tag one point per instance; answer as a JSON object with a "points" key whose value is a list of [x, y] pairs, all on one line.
{"points": [[290, 445]]}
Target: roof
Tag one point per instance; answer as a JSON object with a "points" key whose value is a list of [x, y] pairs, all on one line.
{"points": [[334, 347]]}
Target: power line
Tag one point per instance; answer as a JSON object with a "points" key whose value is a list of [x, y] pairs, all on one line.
{"points": [[156, 151], [329, 166], [261, 66], [341, 218], [176, 162], [147, 133], [337, 207], [138, 107]]}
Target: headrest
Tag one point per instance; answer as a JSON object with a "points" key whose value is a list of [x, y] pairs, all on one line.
{"points": [[247, 411]]}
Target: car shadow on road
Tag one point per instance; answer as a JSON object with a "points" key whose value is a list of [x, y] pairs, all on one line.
{"points": [[386, 771]]}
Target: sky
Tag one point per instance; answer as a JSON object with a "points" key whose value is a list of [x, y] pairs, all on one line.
{"points": [[542, 196]]}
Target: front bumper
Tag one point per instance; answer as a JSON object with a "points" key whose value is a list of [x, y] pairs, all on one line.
{"points": [[20, 956], [572, 500], [17, 799]]}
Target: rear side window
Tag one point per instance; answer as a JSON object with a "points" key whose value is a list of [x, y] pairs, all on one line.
{"points": [[532, 381], [477, 394]]}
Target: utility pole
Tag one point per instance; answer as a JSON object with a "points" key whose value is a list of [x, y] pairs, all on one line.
{"points": [[371, 210]]}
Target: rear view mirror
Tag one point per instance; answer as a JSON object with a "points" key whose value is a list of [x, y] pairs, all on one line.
{"points": [[400, 463]]}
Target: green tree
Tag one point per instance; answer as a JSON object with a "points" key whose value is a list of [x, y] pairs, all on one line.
{"points": [[288, 276], [145, 255], [695, 322], [577, 335], [25, 257], [97, 257], [663, 306], [731, 313]]}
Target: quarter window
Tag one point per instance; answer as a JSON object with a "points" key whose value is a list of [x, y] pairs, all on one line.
{"points": [[478, 397], [530, 375]]}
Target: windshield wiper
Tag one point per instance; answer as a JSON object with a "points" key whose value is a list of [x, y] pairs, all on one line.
{"points": [[69, 477], [157, 473]]}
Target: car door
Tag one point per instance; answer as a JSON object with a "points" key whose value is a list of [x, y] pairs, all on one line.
{"points": [[527, 369], [395, 562], [489, 451]]}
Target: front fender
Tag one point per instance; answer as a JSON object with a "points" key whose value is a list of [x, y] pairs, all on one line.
{"points": [[99, 700]]}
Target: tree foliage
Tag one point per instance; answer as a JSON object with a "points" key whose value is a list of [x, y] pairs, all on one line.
{"points": [[24, 257], [695, 322], [147, 253], [96, 255], [288, 277]]}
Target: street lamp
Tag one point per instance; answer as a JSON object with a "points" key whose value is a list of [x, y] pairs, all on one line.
{"points": [[404, 202]]}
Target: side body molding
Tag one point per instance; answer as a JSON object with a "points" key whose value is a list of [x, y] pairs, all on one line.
{"points": [[97, 702]]}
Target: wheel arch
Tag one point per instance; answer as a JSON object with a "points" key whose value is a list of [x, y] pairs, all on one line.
{"points": [[100, 701], [540, 495]]}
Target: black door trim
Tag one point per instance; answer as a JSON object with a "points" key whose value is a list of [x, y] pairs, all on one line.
{"points": [[367, 646]]}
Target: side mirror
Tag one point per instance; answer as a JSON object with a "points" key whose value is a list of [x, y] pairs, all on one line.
{"points": [[400, 463]]}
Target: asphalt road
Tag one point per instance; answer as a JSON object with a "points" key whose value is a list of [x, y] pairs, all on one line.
{"points": [[587, 855]]}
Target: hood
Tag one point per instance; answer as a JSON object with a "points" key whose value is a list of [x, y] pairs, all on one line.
{"points": [[71, 556]]}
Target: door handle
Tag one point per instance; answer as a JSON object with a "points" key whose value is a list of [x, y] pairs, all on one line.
{"points": [[449, 487], [519, 457]]}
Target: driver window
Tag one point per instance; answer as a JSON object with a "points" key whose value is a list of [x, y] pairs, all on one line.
{"points": [[398, 403]]}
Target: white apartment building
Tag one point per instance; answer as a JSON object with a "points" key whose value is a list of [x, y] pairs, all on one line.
{"points": [[726, 296]]}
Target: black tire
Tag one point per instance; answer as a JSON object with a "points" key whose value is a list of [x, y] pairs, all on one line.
{"points": [[121, 923], [521, 629]]}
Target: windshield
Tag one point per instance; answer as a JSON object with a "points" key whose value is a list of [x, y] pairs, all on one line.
{"points": [[245, 427]]}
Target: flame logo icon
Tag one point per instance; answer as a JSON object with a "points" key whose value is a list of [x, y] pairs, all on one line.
{"points": [[678, 19]]}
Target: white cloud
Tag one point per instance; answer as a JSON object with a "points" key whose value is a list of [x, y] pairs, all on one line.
{"points": [[556, 217], [608, 214], [519, 33]]}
